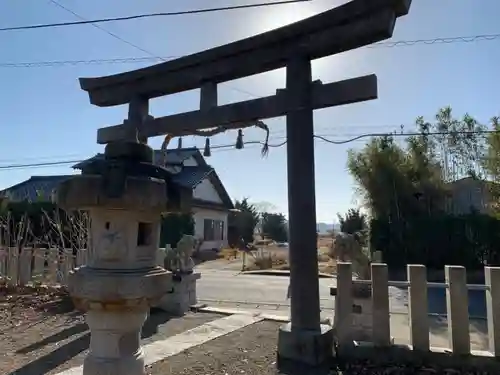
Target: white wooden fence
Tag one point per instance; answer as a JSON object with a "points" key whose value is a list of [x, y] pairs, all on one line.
{"points": [[48, 266], [456, 302]]}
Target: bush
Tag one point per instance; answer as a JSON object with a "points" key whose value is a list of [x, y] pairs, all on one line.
{"points": [[467, 240], [269, 260], [174, 226]]}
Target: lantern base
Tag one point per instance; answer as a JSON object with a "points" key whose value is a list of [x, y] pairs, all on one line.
{"points": [[115, 343]]}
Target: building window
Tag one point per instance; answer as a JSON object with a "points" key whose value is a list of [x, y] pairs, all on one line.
{"points": [[213, 230]]}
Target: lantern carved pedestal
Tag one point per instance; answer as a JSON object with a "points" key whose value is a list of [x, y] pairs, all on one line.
{"points": [[124, 198]]}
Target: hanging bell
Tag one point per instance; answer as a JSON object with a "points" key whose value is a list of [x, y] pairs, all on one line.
{"points": [[207, 152], [239, 140], [179, 143]]}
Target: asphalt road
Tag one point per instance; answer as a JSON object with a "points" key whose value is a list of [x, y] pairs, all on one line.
{"points": [[231, 287], [226, 285]]}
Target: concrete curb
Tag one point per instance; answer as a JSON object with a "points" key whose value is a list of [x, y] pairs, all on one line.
{"points": [[281, 273], [264, 316]]}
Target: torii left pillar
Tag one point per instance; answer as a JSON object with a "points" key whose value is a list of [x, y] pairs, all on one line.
{"points": [[303, 340]]}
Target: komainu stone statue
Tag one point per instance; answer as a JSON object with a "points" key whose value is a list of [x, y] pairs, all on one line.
{"points": [[171, 261], [185, 248], [179, 259]]}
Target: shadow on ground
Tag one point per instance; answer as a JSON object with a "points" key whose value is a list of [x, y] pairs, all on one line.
{"points": [[66, 352], [25, 307], [55, 338], [287, 367], [478, 329], [394, 366]]}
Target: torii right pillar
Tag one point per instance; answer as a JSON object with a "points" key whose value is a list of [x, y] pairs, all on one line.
{"points": [[304, 339]]}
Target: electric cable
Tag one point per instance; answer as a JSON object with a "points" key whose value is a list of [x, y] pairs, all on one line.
{"points": [[150, 15], [133, 60], [123, 40], [323, 138]]}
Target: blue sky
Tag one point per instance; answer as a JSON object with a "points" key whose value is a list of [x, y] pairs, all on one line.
{"points": [[46, 117]]}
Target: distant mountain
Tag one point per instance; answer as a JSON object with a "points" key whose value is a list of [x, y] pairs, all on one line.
{"points": [[323, 228]]}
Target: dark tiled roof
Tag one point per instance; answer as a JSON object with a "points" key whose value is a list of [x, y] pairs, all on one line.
{"points": [[191, 176], [174, 156], [42, 187], [36, 188]]}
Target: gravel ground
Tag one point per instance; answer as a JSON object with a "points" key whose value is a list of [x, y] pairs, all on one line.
{"points": [[34, 323], [252, 351], [41, 334]]}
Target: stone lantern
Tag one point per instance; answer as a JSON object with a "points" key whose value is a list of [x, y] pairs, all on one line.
{"points": [[124, 195]]}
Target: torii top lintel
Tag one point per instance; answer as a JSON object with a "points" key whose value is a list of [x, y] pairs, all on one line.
{"points": [[349, 26]]}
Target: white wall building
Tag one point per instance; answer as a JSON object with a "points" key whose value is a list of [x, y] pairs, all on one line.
{"points": [[211, 203]]}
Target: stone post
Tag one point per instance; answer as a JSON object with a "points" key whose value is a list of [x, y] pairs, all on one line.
{"points": [[492, 281], [418, 309], [457, 308], [343, 305], [121, 279], [381, 327]]}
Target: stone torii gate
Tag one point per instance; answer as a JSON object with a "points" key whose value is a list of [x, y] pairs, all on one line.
{"points": [[355, 24]]}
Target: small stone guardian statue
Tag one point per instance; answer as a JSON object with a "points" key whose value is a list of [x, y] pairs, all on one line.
{"points": [[179, 259], [170, 259], [185, 248]]}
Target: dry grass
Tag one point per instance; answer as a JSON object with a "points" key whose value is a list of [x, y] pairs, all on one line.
{"points": [[229, 254], [323, 256], [277, 258], [270, 256], [210, 255], [324, 241], [329, 267], [268, 259], [325, 263]]}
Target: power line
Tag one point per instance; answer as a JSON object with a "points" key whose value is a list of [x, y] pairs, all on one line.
{"points": [[54, 2], [153, 59], [123, 40], [440, 40], [150, 15], [277, 135], [221, 147]]}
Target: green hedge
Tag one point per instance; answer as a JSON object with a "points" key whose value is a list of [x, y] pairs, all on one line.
{"points": [[466, 240], [174, 226]]}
